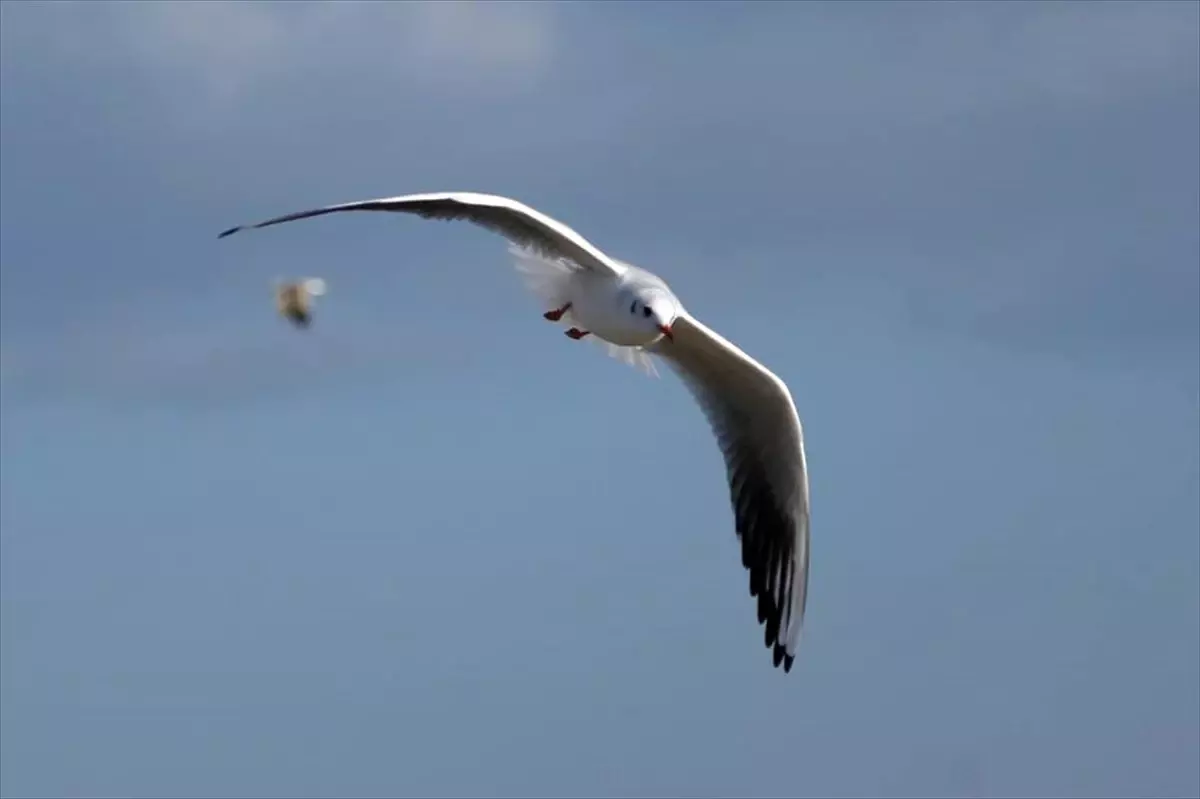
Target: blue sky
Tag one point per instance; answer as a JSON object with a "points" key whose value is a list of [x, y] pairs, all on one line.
{"points": [[434, 548]]}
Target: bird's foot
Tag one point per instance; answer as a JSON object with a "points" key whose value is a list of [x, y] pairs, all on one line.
{"points": [[557, 313], [576, 333]]}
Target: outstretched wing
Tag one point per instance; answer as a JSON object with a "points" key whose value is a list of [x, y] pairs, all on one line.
{"points": [[514, 220], [752, 414]]}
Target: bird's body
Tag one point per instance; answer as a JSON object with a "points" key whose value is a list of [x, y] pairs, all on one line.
{"points": [[599, 304], [635, 313], [593, 302]]}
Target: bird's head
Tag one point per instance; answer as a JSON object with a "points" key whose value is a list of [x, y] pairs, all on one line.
{"points": [[653, 311]]}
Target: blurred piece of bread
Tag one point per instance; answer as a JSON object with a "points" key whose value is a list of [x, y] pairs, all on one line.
{"points": [[294, 299]]}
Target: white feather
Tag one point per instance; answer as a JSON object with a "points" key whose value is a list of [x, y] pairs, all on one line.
{"points": [[547, 278]]}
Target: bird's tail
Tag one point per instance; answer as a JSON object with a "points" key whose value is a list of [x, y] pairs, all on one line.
{"points": [[547, 278]]}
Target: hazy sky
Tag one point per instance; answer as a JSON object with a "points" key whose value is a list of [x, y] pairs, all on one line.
{"points": [[435, 548]]}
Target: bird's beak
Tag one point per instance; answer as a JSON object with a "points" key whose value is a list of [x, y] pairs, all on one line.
{"points": [[666, 331]]}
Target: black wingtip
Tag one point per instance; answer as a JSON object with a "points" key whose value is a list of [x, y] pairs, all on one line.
{"points": [[780, 657], [229, 232]]}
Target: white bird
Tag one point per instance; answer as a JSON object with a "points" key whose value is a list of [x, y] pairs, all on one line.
{"points": [[749, 409]]}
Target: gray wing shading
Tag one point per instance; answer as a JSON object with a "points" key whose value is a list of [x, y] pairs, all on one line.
{"points": [[514, 220], [754, 419]]}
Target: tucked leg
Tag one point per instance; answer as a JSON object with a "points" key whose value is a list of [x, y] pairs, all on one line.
{"points": [[576, 333], [557, 313]]}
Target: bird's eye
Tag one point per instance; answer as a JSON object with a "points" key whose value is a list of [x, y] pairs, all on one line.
{"points": [[646, 311]]}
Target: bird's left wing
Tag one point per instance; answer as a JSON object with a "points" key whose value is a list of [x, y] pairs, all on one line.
{"points": [[510, 218], [754, 419]]}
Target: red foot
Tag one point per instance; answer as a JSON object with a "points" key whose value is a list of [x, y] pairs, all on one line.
{"points": [[557, 313], [576, 333]]}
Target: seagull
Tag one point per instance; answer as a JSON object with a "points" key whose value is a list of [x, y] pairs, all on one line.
{"points": [[293, 299], [635, 314]]}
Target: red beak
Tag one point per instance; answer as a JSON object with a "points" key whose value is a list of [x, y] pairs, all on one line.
{"points": [[666, 331]]}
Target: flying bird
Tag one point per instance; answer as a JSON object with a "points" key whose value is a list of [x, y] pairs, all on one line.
{"points": [[636, 315], [294, 299]]}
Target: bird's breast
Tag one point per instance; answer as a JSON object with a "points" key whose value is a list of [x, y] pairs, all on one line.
{"points": [[598, 306]]}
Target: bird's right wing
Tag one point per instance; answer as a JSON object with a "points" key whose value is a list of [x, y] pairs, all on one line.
{"points": [[752, 414], [514, 220]]}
